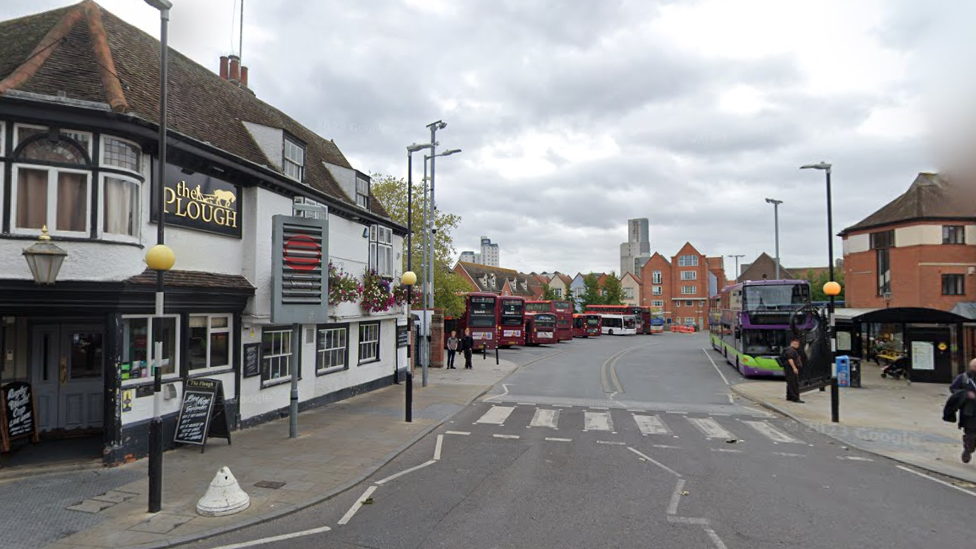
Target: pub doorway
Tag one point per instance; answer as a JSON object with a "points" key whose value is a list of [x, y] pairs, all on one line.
{"points": [[67, 372]]}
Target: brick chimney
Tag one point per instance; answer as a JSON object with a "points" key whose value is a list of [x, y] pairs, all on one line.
{"points": [[235, 69], [232, 71], [223, 67]]}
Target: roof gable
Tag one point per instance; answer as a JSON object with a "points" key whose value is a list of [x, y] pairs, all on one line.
{"points": [[764, 267], [930, 196]]}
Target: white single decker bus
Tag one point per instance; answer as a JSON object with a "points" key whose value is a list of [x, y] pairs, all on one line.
{"points": [[619, 324]]}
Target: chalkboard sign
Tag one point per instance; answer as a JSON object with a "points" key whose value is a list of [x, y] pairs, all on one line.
{"points": [[17, 413], [403, 336], [252, 360], [202, 414]]}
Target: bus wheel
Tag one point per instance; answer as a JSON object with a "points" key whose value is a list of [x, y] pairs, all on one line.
{"points": [[611, 331]]}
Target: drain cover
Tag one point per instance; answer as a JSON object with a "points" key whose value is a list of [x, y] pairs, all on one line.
{"points": [[272, 484]]}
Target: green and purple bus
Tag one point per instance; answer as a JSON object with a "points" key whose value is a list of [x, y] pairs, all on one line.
{"points": [[752, 326]]}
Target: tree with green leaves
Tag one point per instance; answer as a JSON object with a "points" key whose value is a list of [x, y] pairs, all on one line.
{"points": [[591, 291], [548, 294], [613, 292], [392, 193]]}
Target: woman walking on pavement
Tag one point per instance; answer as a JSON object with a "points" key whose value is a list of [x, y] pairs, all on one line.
{"points": [[467, 345]]}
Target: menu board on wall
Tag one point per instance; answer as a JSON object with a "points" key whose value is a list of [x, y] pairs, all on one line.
{"points": [[251, 356], [18, 416]]}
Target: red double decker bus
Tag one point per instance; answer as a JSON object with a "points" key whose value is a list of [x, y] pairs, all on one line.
{"points": [[643, 314], [579, 325], [594, 324], [540, 329], [481, 316], [511, 320], [564, 315]]}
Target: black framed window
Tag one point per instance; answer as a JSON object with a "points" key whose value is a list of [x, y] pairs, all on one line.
{"points": [[953, 284], [883, 240], [953, 234]]}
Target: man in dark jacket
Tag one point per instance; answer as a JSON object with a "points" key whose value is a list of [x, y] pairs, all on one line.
{"points": [[792, 362], [963, 401], [467, 345]]}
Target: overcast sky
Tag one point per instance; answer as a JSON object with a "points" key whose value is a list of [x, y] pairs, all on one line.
{"points": [[575, 116]]}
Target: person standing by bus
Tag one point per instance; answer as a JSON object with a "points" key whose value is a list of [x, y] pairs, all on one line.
{"points": [[792, 364], [964, 394], [452, 345], [467, 345]]}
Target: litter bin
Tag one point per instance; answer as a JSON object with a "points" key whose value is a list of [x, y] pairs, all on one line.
{"points": [[855, 372], [848, 371]]}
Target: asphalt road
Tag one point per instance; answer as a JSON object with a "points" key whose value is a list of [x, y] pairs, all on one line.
{"points": [[627, 442]]}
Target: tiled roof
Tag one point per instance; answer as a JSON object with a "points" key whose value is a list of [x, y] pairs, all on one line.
{"points": [[78, 50], [764, 264], [493, 279], [193, 279], [930, 196]]}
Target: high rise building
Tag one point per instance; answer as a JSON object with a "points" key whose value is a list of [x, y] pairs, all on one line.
{"points": [[468, 256], [489, 252], [637, 250]]}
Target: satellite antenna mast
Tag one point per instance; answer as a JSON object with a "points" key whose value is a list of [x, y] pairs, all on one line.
{"points": [[240, 48]]}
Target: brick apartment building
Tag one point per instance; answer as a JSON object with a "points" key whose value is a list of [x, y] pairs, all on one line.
{"points": [[919, 250], [682, 285]]}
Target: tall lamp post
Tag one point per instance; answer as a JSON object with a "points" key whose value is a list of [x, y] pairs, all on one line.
{"points": [[408, 279], [830, 252], [159, 258], [776, 204], [410, 150], [736, 256]]}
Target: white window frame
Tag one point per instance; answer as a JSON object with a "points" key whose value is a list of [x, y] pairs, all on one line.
{"points": [[230, 343], [656, 277], [320, 352], [689, 303], [689, 290], [628, 292], [150, 356], [52, 202], [359, 194], [689, 275], [381, 250], [688, 260], [287, 161], [103, 207], [75, 134], [657, 303], [286, 352], [102, 158], [657, 290], [689, 321], [366, 345], [558, 292]]}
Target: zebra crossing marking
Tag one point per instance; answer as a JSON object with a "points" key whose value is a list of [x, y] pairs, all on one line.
{"points": [[771, 432], [709, 427], [496, 415], [512, 437], [545, 418], [597, 421], [651, 425], [554, 439]]}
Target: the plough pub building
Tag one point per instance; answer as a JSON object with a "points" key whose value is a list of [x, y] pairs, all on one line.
{"points": [[78, 139]]}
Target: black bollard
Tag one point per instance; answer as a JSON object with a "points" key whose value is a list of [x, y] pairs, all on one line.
{"points": [[834, 401], [484, 351], [496, 355], [409, 403]]}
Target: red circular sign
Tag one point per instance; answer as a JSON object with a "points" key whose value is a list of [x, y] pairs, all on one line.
{"points": [[296, 253]]}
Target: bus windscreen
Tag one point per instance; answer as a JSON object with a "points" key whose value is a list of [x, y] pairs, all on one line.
{"points": [[537, 307], [511, 313], [592, 321], [482, 312], [775, 297]]}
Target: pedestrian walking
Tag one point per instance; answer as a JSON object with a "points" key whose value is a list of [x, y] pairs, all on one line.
{"points": [[792, 363], [452, 345], [467, 345], [963, 401]]}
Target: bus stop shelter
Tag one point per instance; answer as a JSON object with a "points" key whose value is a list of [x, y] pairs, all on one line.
{"points": [[931, 339]]}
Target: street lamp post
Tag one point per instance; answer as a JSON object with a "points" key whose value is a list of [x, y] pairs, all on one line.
{"points": [[429, 275], [408, 279], [159, 258], [736, 256], [410, 150], [830, 252], [776, 204]]}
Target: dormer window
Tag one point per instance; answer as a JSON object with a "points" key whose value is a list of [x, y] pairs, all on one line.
{"points": [[294, 161], [362, 192]]}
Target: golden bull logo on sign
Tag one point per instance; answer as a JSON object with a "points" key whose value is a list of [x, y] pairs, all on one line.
{"points": [[201, 202]]}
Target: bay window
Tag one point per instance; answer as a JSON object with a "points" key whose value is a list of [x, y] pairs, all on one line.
{"points": [[120, 206]]}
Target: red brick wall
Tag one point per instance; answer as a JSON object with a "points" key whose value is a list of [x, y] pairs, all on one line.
{"points": [[696, 311], [437, 339], [913, 283], [656, 263]]}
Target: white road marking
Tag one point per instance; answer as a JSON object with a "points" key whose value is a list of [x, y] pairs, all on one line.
{"points": [[666, 447], [789, 455], [597, 421], [524, 404], [554, 439], [545, 418], [855, 458], [513, 437], [771, 432], [437, 447], [355, 506], [709, 427], [726, 450], [689, 520], [944, 483], [561, 406], [655, 462], [716, 366], [462, 433], [679, 413], [273, 539], [404, 472], [731, 398], [496, 415], [598, 408], [504, 386], [651, 425], [614, 442], [715, 539], [676, 497]]}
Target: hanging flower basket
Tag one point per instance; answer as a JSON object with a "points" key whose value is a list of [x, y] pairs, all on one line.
{"points": [[377, 293], [343, 287]]}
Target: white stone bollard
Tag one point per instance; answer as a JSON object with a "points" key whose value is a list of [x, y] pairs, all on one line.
{"points": [[223, 497]]}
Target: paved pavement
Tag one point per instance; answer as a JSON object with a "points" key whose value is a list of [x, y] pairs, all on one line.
{"points": [[552, 457], [339, 445], [893, 418]]}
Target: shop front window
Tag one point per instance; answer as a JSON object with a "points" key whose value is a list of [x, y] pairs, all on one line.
{"points": [[138, 346]]}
